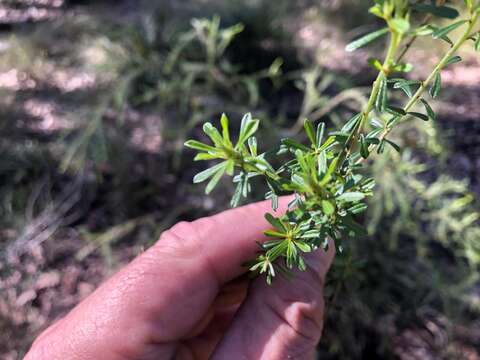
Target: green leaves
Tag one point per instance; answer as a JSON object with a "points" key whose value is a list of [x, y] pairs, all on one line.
{"points": [[447, 29], [197, 145], [288, 244], [375, 63], [293, 145], [364, 152], [440, 11], [310, 132], [429, 110], [213, 134], [392, 144], [215, 172], [366, 39], [246, 159], [351, 124], [419, 115], [436, 86], [405, 85], [225, 130], [327, 207], [382, 96], [205, 174], [248, 127], [396, 111], [319, 134], [477, 43], [275, 222], [453, 60], [325, 173], [400, 26], [351, 197]]}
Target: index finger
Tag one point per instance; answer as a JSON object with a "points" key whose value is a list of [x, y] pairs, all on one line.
{"points": [[220, 244]]}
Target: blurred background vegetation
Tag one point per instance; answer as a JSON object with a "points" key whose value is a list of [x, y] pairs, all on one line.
{"points": [[97, 98]]}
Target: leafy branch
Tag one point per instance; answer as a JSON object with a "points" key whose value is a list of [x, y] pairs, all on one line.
{"points": [[326, 175]]}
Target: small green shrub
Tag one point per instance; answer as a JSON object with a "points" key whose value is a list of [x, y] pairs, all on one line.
{"points": [[327, 175]]}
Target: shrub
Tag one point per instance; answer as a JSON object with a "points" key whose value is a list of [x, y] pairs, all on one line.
{"points": [[327, 175]]}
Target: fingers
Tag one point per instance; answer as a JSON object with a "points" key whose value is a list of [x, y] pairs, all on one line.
{"points": [[220, 244], [281, 321], [156, 300], [229, 298], [193, 260], [201, 344]]}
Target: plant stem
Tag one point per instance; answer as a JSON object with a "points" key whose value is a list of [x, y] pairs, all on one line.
{"points": [[395, 39], [409, 44], [435, 71]]}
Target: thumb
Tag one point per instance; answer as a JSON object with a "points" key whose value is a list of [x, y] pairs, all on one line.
{"points": [[281, 321]]}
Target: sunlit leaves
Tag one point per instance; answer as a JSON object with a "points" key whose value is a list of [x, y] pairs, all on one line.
{"points": [[319, 134], [197, 145], [322, 163], [213, 134], [225, 130], [366, 39], [402, 67], [468, 3], [400, 26], [377, 10], [288, 242], [232, 157], [263, 265], [242, 188], [405, 85], [447, 29], [351, 124], [424, 30], [215, 173], [324, 173], [275, 222], [327, 207], [310, 131], [376, 64], [252, 145], [351, 197], [248, 127]]}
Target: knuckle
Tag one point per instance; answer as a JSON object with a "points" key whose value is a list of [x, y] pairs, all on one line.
{"points": [[306, 320], [303, 326], [180, 239], [185, 240], [181, 230], [186, 231]]}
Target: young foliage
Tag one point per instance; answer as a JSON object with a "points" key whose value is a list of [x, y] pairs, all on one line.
{"points": [[326, 175]]}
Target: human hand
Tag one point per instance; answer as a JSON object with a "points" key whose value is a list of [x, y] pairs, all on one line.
{"points": [[186, 298]]}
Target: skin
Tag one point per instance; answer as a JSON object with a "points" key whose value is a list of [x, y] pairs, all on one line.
{"points": [[187, 297]]}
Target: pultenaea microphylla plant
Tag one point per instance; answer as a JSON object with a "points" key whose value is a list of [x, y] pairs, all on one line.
{"points": [[326, 175]]}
